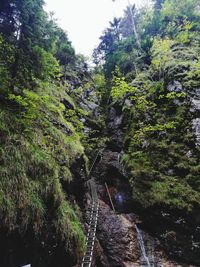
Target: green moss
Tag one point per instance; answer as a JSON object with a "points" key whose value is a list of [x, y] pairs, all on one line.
{"points": [[159, 137], [37, 148], [169, 192], [67, 220]]}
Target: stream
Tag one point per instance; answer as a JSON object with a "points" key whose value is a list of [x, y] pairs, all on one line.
{"points": [[144, 259], [122, 238]]}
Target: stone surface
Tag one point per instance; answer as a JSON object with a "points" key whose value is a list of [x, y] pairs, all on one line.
{"points": [[117, 237], [175, 86], [116, 232], [196, 110], [115, 125]]}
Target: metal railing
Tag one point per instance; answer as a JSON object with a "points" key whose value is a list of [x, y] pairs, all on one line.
{"points": [[93, 218]]}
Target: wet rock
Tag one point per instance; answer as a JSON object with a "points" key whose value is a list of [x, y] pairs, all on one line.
{"points": [[117, 237], [109, 168], [100, 258]]}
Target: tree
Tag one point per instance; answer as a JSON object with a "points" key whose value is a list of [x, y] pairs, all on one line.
{"points": [[106, 49], [36, 38], [158, 4]]}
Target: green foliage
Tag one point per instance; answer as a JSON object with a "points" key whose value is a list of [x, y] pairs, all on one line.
{"points": [[99, 80], [174, 9], [160, 82], [48, 66], [193, 75], [74, 116], [173, 95], [6, 61], [67, 220], [37, 149], [36, 42], [161, 53], [41, 125], [120, 87]]}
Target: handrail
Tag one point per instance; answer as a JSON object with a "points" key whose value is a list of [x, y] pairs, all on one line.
{"points": [[93, 218], [94, 162]]}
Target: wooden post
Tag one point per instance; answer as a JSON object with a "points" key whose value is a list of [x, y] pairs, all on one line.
{"points": [[110, 197]]}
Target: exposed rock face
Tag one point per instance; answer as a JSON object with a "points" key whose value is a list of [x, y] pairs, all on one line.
{"points": [[115, 121], [175, 86], [89, 101], [118, 243], [196, 110], [109, 165], [117, 237], [100, 259], [110, 170], [196, 124]]}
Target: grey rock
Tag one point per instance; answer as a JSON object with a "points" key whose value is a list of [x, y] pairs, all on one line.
{"points": [[91, 105], [128, 103], [117, 237], [175, 86], [196, 110], [196, 126]]}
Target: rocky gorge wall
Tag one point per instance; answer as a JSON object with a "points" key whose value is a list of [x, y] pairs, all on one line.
{"points": [[118, 244]]}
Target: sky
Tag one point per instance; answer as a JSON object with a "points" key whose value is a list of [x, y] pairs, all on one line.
{"points": [[85, 20]]}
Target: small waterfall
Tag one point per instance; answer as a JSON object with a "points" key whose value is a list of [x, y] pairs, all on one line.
{"points": [[142, 246], [119, 159]]}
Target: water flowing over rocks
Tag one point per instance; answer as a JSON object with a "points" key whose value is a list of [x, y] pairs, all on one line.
{"points": [[118, 243], [117, 237]]}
